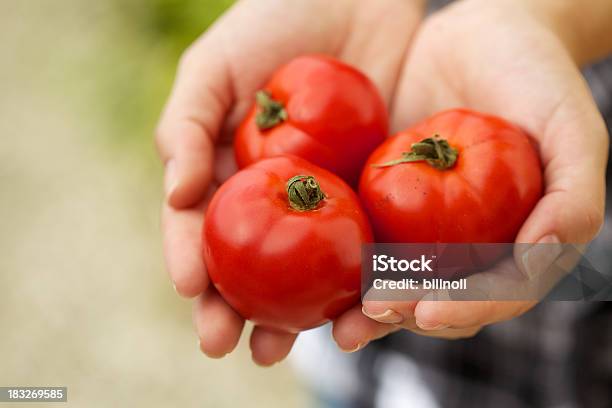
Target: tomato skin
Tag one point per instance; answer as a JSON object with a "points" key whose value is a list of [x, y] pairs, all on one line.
{"points": [[335, 118], [279, 267], [487, 195]]}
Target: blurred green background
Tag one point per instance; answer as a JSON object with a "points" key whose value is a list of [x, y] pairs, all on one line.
{"points": [[84, 298]]}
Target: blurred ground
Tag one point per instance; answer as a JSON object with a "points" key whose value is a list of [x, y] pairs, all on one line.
{"points": [[84, 299]]}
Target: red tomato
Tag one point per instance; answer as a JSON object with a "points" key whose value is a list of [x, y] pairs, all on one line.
{"points": [[317, 108], [283, 243], [459, 176]]}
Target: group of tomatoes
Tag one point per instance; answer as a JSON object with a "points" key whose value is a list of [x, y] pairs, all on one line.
{"points": [[283, 236]]}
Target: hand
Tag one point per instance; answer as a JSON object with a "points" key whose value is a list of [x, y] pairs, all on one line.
{"points": [[500, 58], [217, 79]]}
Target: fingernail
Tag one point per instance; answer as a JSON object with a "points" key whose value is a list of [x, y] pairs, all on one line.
{"points": [[540, 256], [389, 316], [170, 181], [357, 348], [176, 290], [262, 364], [432, 326], [208, 354]]}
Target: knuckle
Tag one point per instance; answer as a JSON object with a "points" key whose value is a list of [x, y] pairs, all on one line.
{"points": [[187, 58], [159, 134], [594, 220], [601, 133], [160, 140]]}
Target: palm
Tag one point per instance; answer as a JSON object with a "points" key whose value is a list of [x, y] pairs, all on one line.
{"points": [[496, 59], [217, 81], [501, 60], [260, 35], [474, 60], [253, 47]]}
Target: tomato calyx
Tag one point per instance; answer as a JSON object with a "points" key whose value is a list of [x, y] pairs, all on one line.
{"points": [[304, 193], [272, 112], [435, 151]]}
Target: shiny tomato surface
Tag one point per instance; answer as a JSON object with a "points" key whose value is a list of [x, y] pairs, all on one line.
{"points": [[317, 108], [276, 261], [484, 196]]}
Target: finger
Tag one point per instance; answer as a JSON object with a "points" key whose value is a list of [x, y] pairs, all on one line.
{"points": [[435, 315], [218, 326], [183, 249], [448, 334], [191, 121], [406, 320], [269, 346], [572, 208], [504, 282], [392, 312], [353, 330], [574, 147], [188, 166], [225, 163]]}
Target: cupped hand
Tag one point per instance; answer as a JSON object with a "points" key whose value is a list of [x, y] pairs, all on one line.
{"points": [[215, 85], [501, 58]]}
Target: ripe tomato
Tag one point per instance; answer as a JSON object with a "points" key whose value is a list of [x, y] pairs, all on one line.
{"points": [[282, 243], [317, 108], [459, 176]]}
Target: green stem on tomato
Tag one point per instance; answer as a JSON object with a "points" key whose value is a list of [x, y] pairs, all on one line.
{"points": [[271, 112], [304, 193], [435, 151]]}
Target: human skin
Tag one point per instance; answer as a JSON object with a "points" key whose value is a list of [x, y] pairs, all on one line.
{"points": [[215, 85], [526, 69]]}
